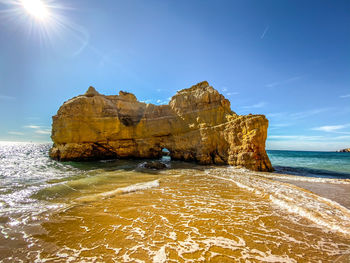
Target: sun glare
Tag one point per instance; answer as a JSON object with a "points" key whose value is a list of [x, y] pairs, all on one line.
{"points": [[47, 22], [36, 8]]}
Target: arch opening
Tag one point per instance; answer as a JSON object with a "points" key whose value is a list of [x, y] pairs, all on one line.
{"points": [[165, 155]]}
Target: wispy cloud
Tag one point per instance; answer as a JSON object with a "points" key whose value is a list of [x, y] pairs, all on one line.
{"points": [[38, 129], [232, 93], [5, 97], [161, 102], [46, 131], [295, 137], [15, 133], [282, 82], [264, 32], [293, 116], [146, 101], [308, 137], [331, 128], [276, 126], [254, 106], [323, 145], [308, 113], [345, 96], [32, 126]]}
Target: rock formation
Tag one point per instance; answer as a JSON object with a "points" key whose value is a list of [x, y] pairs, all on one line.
{"points": [[155, 165], [197, 125]]}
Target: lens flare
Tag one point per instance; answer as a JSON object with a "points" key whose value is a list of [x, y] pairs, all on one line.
{"points": [[46, 22], [36, 8]]}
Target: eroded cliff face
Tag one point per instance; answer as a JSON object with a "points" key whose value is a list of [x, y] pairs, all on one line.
{"points": [[196, 125]]}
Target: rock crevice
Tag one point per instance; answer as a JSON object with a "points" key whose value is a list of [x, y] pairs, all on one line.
{"points": [[197, 125]]}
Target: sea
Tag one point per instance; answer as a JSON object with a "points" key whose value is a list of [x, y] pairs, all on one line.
{"points": [[119, 211]]}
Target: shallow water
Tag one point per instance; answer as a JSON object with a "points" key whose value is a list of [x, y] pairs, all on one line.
{"points": [[117, 211], [313, 164]]}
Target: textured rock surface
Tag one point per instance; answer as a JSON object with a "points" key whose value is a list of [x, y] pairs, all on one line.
{"points": [[155, 165], [346, 150], [197, 125]]}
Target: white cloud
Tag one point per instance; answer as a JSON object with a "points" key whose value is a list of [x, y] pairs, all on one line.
{"points": [[32, 126], [264, 33], [307, 137], [279, 83], [254, 106], [310, 143], [345, 96], [275, 126], [295, 137], [39, 129], [46, 131], [162, 102], [15, 133], [232, 93], [305, 114], [297, 115], [330, 128], [306, 145]]}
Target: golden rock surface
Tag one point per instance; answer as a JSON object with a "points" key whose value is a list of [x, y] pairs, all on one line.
{"points": [[197, 125]]}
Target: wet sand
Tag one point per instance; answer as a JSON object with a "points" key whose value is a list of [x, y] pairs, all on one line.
{"points": [[187, 214], [191, 215], [339, 193]]}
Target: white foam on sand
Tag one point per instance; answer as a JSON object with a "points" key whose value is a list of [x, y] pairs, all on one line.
{"points": [[321, 211], [160, 255], [305, 179], [121, 190]]}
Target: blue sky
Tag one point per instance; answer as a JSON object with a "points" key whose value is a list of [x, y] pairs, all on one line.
{"points": [[289, 60]]}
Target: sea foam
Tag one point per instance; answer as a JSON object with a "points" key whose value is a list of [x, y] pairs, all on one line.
{"points": [[121, 190], [321, 211]]}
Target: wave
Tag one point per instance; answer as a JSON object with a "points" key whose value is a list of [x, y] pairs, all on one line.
{"points": [[293, 177], [304, 171], [121, 190], [321, 211], [305, 179]]}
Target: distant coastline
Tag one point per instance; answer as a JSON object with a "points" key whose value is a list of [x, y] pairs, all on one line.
{"points": [[346, 150]]}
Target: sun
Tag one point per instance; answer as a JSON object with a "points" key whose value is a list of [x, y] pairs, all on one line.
{"points": [[47, 22], [36, 8]]}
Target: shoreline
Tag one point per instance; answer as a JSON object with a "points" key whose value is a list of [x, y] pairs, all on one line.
{"points": [[336, 192], [335, 189]]}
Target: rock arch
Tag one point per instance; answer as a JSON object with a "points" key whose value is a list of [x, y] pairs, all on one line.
{"points": [[197, 125]]}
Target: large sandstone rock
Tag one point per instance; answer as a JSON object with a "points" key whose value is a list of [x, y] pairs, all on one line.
{"points": [[197, 125]]}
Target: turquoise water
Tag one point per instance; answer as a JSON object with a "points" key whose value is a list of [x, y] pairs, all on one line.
{"points": [[314, 164]]}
